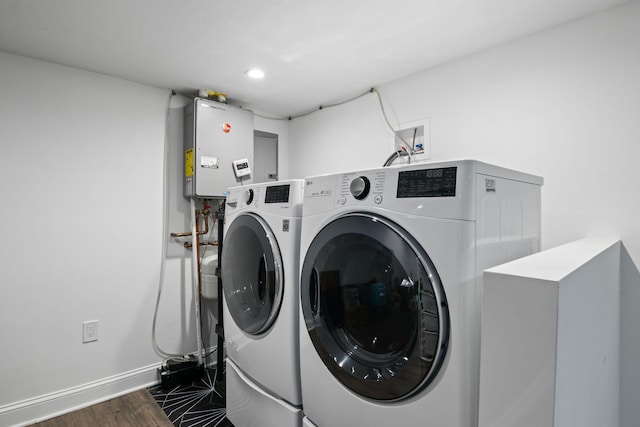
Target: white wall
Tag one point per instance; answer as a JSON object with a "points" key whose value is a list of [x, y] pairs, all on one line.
{"points": [[562, 104], [350, 136], [80, 220]]}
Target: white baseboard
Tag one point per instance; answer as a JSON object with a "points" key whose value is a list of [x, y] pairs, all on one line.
{"points": [[30, 411]]}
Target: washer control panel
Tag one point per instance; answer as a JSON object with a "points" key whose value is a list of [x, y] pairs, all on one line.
{"points": [[249, 196], [277, 193]]}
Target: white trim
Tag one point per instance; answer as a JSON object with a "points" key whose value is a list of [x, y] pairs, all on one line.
{"points": [[46, 406]]}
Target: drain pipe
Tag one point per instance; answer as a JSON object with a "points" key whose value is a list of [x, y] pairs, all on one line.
{"points": [[195, 277]]}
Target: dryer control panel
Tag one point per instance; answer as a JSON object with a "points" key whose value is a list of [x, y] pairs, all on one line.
{"points": [[361, 186], [440, 182], [423, 189]]}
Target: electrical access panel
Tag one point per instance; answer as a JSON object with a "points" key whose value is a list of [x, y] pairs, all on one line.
{"points": [[216, 135]]}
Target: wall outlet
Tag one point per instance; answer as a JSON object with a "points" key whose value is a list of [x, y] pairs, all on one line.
{"points": [[90, 331]]}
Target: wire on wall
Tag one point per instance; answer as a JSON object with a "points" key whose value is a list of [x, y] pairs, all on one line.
{"points": [[406, 149], [321, 107], [398, 153]]}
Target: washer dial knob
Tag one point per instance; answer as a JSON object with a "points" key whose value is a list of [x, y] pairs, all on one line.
{"points": [[360, 187], [249, 196]]}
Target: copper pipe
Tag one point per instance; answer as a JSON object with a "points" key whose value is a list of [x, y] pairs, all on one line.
{"points": [[186, 234], [197, 243], [189, 245], [198, 233]]}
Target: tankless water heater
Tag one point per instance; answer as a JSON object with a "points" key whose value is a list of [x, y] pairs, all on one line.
{"points": [[216, 137]]}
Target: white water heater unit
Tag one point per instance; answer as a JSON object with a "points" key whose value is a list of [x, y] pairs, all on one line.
{"points": [[218, 148]]}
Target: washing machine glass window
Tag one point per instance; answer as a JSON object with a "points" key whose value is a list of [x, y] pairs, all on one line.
{"points": [[374, 307], [252, 274]]}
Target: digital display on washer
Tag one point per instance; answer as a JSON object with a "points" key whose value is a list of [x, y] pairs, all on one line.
{"points": [[277, 194], [439, 182]]}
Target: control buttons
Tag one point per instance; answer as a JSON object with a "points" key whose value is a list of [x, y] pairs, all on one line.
{"points": [[378, 199], [342, 200], [249, 196], [360, 187]]}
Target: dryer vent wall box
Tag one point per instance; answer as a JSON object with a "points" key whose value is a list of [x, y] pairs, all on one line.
{"points": [[216, 136]]}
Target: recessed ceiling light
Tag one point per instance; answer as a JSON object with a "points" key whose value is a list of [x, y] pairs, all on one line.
{"points": [[255, 73]]}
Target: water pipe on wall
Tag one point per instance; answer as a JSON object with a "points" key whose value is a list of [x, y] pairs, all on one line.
{"points": [[195, 276]]}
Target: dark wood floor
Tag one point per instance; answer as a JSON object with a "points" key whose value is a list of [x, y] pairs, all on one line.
{"points": [[137, 409]]}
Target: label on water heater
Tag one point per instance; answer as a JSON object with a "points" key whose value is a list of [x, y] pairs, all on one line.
{"points": [[188, 162], [209, 162]]}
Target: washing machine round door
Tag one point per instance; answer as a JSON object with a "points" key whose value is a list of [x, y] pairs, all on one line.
{"points": [[252, 276], [374, 307]]}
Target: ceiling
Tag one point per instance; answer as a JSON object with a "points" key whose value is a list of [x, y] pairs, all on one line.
{"points": [[313, 52]]}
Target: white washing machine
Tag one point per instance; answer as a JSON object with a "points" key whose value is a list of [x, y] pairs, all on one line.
{"points": [[260, 265], [391, 263]]}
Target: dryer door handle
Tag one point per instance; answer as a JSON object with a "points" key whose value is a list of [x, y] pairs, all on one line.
{"points": [[262, 278], [314, 292]]}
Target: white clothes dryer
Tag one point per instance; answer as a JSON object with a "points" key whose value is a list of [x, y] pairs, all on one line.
{"points": [[260, 268], [391, 268]]}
